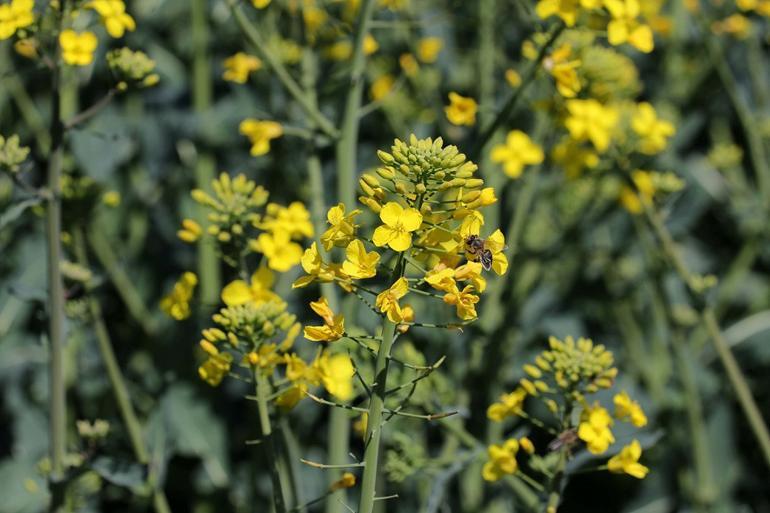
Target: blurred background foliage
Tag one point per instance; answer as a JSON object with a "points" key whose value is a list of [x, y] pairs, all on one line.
{"points": [[583, 265]]}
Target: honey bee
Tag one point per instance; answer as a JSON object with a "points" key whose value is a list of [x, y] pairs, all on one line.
{"points": [[476, 251]]}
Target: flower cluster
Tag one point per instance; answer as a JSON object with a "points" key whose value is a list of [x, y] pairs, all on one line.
{"points": [[177, 303], [14, 16], [563, 377], [132, 67], [12, 154], [114, 16], [243, 222]]}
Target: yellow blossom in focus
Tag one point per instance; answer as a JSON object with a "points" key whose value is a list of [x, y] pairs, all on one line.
{"points": [[294, 220], [282, 254], [342, 229], [625, 26], [635, 198], [215, 368], [652, 131], [114, 16], [177, 303], [258, 291], [594, 429], [518, 151], [398, 225], [387, 301], [502, 460], [77, 49], [627, 461], [334, 325], [428, 49], [509, 405], [239, 66], [628, 409], [461, 110], [260, 133], [358, 263], [337, 375], [464, 301], [382, 87], [442, 278], [592, 121], [313, 265]]}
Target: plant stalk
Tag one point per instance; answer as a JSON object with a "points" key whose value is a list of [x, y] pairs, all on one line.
{"points": [[267, 438]]}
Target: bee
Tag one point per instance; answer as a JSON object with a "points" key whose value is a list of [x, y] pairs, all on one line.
{"points": [[477, 251], [565, 439]]}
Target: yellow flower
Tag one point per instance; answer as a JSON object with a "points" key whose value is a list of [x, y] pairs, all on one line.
{"points": [[387, 301], [652, 130], [399, 223], [282, 254], [239, 292], [526, 445], [15, 15], [342, 229], [111, 198], [573, 157], [114, 16], [509, 405], [567, 10], [239, 66], [625, 27], [627, 461], [517, 152], [471, 271], [27, 48], [348, 480], [315, 268], [260, 133], [464, 301], [358, 263], [634, 199], [337, 375], [512, 77], [502, 460], [441, 277], [737, 24], [215, 368], [409, 64], [334, 325], [177, 303], [628, 409], [260, 4], [370, 45], [564, 71], [592, 121], [594, 429], [382, 87], [294, 220], [77, 49], [191, 231], [461, 110], [428, 49]]}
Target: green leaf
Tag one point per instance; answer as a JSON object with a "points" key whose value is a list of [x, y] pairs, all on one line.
{"points": [[16, 210], [126, 474]]}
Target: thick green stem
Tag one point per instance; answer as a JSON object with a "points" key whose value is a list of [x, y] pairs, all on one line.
{"points": [[555, 486], [734, 373], [267, 439], [252, 34], [374, 424], [205, 167], [347, 145], [115, 375], [58, 413]]}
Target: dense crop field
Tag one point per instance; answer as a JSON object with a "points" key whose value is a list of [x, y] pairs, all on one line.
{"points": [[385, 256]]}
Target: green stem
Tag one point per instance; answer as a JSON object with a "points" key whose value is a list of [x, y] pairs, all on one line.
{"points": [[209, 272], [734, 373], [267, 439], [58, 420], [555, 485], [348, 141], [374, 423], [513, 100], [252, 34], [117, 380]]}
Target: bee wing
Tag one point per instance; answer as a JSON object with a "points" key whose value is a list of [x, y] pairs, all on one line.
{"points": [[486, 259]]}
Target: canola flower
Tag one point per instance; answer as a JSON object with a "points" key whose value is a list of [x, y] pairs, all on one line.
{"points": [[428, 49], [461, 110], [18, 14], [260, 133], [239, 66], [114, 16], [517, 152], [177, 303], [77, 49]]}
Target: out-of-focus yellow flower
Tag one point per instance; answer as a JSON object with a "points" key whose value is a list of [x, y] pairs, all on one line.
{"points": [[394, 5], [502, 460], [627, 461], [27, 48], [625, 26], [348, 480], [191, 231], [342, 229], [461, 110], [260, 4], [512, 77], [258, 291], [592, 121], [653, 131], [428, 49], [761, 7], [398, 225], [573, 157], [594, 429], [333, 327], [382, 87], [526, 445], [567, 10], [736, 25], [15, 15], [281, 252], [628, 409], [509, 405], [260, 133], [111, 198], [370, 45], [77, 49], [358, 263], [215, 368], [564, 71], [387, 301], [518, 151], [634, 200], [114, 16], [409, 64], [239, 66], [177, 303], [339, 51], [337, 375]]}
